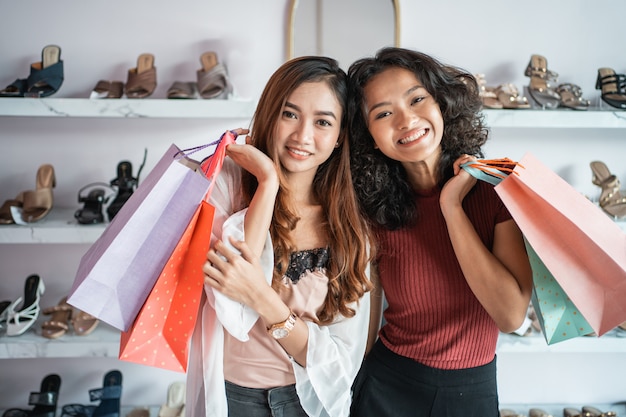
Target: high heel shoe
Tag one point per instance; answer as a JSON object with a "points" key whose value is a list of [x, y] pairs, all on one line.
{"points": [[594, 412], [21, 320], [36, 204], [613, 87], [45, 401], [142, 80], [92, 211], [612, 201], [109, 395], [540, 77], [126, 184]]}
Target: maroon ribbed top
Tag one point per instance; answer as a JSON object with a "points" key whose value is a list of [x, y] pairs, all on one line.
{"points": [[432, 315]]}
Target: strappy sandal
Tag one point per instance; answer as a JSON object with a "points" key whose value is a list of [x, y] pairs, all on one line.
{"points": [[572, 97], [45, 401], [613, 87], [22, 319], [612, 201], [92, 211], [212, 77], [594, 412], [108, 89], [125, 184], [57, 326], [142, 80], [487, 94], [540, 77], [4, 314], [509, 96]]}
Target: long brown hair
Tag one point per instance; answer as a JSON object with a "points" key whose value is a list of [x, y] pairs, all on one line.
{"points": [[350, 241]]}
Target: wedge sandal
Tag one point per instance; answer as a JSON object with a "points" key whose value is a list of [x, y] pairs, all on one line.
{"points": [[212, 78]]}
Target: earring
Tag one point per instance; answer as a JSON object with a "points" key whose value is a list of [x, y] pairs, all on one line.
{"points": [[337, 144]]}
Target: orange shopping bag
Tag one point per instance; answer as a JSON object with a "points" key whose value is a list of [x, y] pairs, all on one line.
{"points": [[162, 331]]}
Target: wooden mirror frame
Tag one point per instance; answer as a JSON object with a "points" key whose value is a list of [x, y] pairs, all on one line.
{"points": [[291, 19]]}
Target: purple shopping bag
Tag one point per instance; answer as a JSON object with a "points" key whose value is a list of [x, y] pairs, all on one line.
{"points": [[118, 271]]}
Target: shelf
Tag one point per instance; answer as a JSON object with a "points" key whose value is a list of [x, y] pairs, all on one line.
{"points": [[612, 342], [559, 119], [59, 226], [557, 409], [127, 108], [104, 342]]}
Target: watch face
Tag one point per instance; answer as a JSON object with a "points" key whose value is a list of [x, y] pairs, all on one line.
{"points": [[280, 333]]}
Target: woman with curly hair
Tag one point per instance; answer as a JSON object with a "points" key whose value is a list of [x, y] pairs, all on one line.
{"points": [[450, 260]]}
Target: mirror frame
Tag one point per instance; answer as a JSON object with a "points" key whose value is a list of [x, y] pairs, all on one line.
{"points": [[291, 19]]}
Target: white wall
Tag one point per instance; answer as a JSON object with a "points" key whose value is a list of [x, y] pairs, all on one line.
{"points": [[102, 39]]}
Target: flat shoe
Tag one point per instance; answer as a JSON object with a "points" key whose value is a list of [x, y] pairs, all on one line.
{"points": [[108, 89], [57, 326], [572, 97], [83, 323], [181, 89]]}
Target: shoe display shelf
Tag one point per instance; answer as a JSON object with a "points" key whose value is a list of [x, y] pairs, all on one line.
{"points": [[127, 108], [558, 119], [103, 342]]}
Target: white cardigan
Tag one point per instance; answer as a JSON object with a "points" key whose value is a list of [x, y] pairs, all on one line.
{"points": [[334, 352]]}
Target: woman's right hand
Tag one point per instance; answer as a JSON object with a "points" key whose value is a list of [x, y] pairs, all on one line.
{"points": [[252, 160]]}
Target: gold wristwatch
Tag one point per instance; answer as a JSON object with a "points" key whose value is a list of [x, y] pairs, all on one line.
{"points": [[282, 329]]}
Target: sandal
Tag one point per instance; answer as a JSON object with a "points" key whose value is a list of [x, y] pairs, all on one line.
{"points": [[181, 89], [83, 323], [77, 410], [18, 321], [108, 89], [175, 400], [109, 395], [36, 204], [4, 314], [45, 76], [92, 212], [509, 96], [572, 97], [57, 326], [142, 80], [45, 401], [212, 77], [539, 88], [487, 94], [613, 87], [612, 201], [126, 185]]}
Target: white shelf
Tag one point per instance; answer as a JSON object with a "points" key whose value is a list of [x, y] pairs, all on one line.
{"points": [[103, 342], [59, 226], [127, 108], [559, 119]]}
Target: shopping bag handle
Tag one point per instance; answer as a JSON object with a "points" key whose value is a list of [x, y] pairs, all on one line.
{"points": [[492, 171], [212, 165]]}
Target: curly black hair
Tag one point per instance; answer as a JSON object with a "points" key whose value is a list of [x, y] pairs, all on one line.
{"points": [[381, 183]]}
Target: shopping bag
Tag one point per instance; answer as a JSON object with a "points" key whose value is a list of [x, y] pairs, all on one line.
{"points": [[160, 335], [579, 246], [162, 330], [117, 272]]}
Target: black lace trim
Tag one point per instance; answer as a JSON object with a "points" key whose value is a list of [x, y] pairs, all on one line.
{"points": [[306, 260]]}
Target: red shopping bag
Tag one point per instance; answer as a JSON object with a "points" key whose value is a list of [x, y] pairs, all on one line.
{"points": [[162, 330], [581, 247]]}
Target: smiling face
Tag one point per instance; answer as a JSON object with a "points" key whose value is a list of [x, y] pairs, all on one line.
{"points": [[403, 118], [308, 129]]}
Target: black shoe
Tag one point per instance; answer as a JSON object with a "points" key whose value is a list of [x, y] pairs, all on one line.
{"points": [[126, 185], [92, 212]]}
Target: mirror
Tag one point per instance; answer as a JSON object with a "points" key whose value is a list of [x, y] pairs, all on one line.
{"points": [[342, 29]]}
